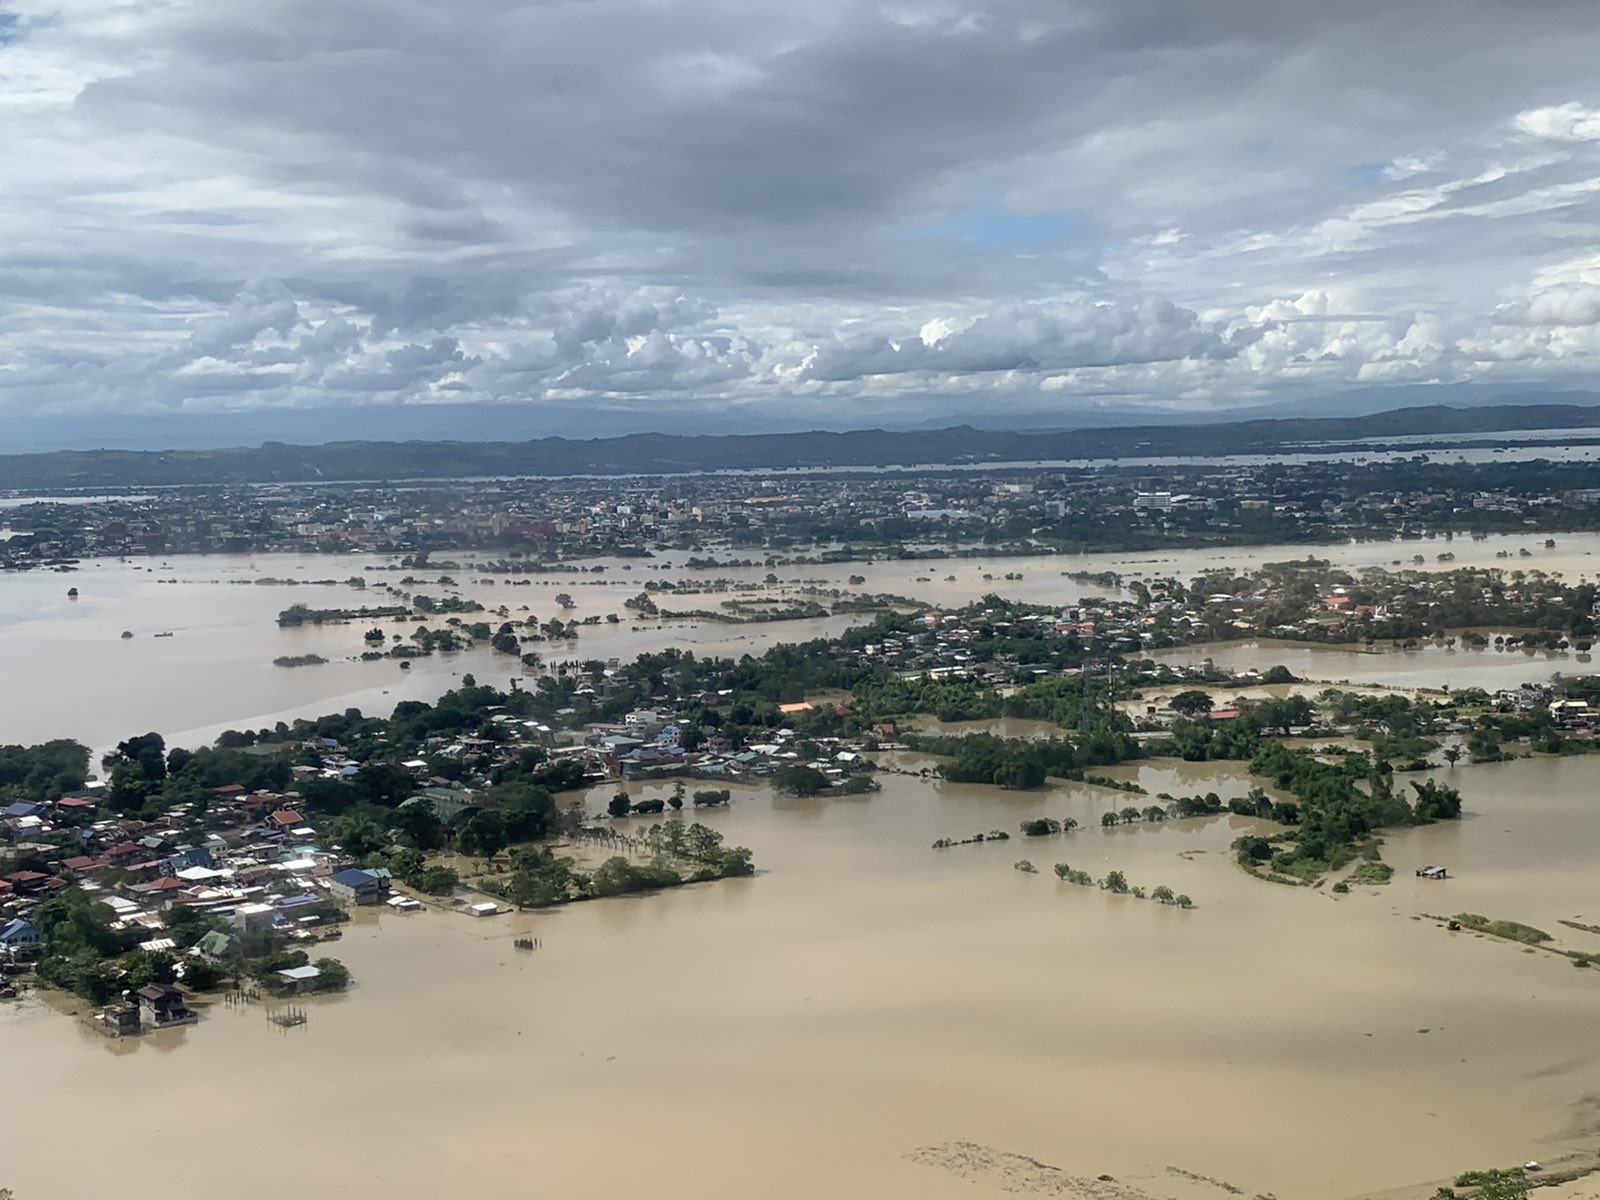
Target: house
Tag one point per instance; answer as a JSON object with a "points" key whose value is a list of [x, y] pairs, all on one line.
{"points": [[294, 980], [120, 1019], [26, 883], [17, 933], [251, 918], [358, 886], [284, 820], [188, 856], [162, 1005], [215, 946], [21, 809]]}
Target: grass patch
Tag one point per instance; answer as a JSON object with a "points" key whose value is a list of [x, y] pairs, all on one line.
{"points": [[1372, 872], [1513, 931]]}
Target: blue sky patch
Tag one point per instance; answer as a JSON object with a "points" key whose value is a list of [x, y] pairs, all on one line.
{"points": [[992, 226]]}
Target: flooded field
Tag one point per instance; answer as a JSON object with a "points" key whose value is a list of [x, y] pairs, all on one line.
{"points": [[868, 1018], [216, 672]]}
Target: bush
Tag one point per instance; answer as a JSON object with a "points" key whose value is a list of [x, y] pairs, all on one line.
{"points": [[335, 975]]}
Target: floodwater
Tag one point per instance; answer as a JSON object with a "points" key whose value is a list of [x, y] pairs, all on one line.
{"points": [[806, 1032], [1427, 666], [72, 675]]}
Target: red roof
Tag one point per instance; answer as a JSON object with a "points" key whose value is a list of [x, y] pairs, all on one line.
{"points": [[229, 789], [169, 883], [75, 802], [1222, 714], [288, 818]]}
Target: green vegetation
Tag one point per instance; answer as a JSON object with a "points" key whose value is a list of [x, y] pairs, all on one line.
{"points": [[1117, 883], [1341, 805], [1023, 763], [42, 772], [1372, 872], [800, 780], [300, 614], [692, 853], [1495, 1184], [1513, 931]]}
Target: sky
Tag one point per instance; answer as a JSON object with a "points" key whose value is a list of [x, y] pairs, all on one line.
{"points": [[747, 214]]}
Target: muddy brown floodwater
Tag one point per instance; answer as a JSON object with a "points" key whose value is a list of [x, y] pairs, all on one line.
{"points": [[871, 1018], [81, 679]]}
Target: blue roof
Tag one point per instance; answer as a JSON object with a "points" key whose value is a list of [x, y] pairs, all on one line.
{"points": [[21, 809], [295, 901], [355, 877], [15, 929]]}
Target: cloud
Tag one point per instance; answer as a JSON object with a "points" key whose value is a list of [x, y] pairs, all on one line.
{"points": [[1569, 122], [754, 207], [1033, 338], [1571, 304]]}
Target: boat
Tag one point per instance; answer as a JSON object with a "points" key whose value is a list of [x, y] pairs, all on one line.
{"points": [[167, 634]]}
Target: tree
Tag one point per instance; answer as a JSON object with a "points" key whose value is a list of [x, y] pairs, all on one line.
{"points": [[1020, 772], [1436, 802], [357, 834], [799, 780], [1115, 881], [484, 835], [1192, 703], [619, 805], [676, 799], [1162, 894], [335, 975], [435, 881], [1452, 754], [1183, 901], [419, 827]]}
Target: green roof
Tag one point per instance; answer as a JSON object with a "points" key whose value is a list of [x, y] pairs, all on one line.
{"points": [[215, 944]]}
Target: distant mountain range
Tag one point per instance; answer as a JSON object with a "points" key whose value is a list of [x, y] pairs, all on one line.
{"points": [[24, 432], [666, 454]]}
